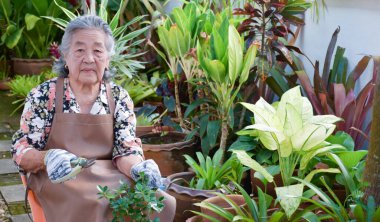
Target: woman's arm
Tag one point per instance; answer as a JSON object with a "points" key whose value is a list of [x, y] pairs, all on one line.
{"points": [[125, 163], [127, 149], [33, 161], [29, 141]]}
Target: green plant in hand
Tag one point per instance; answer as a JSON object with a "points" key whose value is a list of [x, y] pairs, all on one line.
{"points": [[135, 202]]}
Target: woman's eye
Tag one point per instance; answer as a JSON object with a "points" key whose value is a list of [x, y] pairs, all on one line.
{"points": [[98, 51], [80, 50]]}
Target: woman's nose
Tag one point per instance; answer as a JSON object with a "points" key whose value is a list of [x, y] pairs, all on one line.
{"points": [[88, 58]]}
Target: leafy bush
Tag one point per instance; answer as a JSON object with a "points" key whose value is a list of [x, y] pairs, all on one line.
{"points": [[136, 203]]}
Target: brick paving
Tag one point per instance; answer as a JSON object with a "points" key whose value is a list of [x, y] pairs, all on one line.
{"points": [[11, 189]]}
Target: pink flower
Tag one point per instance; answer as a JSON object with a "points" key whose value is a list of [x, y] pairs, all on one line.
{"points": [[53, 49]]}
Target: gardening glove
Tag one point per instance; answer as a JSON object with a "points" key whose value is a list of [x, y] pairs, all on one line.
{"points": [[57, 162], [151, 172]]}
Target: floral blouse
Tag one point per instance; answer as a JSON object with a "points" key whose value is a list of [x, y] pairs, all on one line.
{"points": [[35, 125]]}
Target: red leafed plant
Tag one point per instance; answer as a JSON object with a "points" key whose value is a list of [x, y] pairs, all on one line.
{"points": [[333, 92]]}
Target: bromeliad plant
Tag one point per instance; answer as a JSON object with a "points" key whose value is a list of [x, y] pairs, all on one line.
{"points": [[290, 128], [333, 91]]}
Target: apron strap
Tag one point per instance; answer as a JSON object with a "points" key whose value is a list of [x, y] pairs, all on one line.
{"points": [[110, 99], [59, 95]]}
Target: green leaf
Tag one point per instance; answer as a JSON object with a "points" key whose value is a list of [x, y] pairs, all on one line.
{"points": [[193, 106], [359, 213], [14, 35], [376, 215], [290, 197], [30, 21], [351, 158], [306, 158], [213, 128], [249, 59], [169, 102], [246, 160], [310, 176], [215, 70], [343, 139], [311, 217], [310, 136], [272, 170], [235, 54], [41, 6]]}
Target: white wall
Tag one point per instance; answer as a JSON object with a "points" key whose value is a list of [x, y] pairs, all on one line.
{"points": [[359, 22]]}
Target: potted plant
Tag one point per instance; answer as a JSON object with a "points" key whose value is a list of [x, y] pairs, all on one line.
{"points": [[21, 85], [206, 175], [290, 128], [332, 91], [137, 203], [28, 35], [167, 148]]}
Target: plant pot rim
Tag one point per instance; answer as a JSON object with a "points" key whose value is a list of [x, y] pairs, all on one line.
{"points": [[172, 185], [169, 146], [31, 60]]}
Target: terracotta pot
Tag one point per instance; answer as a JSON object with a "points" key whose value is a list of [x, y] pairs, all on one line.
{"points": [[3, 85], [142, 130], [169, 151], [269, 188], [194, 219], [185, 196], [30, 66], [238, 199]]}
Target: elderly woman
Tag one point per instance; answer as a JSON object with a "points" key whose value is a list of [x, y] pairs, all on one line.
{"points": [[81, 114]]}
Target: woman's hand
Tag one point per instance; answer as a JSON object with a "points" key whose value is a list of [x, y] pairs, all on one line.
{"points": [[151, 172], [33, 161], [58, 164]]}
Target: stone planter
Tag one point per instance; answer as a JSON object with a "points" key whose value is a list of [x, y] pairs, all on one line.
{"points": [[167, 150], [30, 66]]}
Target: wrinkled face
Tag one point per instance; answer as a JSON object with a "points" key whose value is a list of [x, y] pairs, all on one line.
{"points": [[87, 57]]}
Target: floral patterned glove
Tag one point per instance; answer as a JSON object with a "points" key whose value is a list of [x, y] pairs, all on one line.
{"points": [[57, 163], [151, 171]]}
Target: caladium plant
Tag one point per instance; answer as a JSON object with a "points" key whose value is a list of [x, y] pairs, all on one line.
{"points": [[290, 128]]}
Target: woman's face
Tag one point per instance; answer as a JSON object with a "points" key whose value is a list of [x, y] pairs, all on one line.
{"points": [[87, 57]]}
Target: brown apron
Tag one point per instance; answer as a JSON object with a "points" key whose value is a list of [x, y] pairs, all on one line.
{"points": [[84, 135]]}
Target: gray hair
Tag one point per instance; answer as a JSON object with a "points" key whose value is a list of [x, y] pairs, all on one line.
{"points": [[84, 22]]}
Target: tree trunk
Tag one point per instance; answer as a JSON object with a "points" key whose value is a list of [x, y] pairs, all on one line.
{"points": [[372, 170], [191, 100], [223, 138], [177, 101]]}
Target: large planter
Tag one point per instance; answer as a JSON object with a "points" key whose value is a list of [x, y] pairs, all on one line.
{"points": [[269, 188], [30, 66], [167, 150], [142, 130], [185, 196], [237, 199], [4, 85]]}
